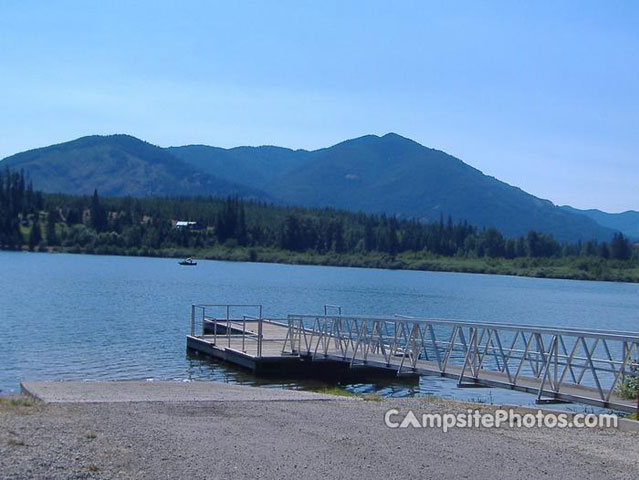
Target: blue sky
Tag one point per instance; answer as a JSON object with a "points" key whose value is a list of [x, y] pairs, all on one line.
{"points": [[543, 95]]}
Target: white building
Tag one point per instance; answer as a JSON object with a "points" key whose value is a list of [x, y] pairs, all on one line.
{"points": [[183, 224]]}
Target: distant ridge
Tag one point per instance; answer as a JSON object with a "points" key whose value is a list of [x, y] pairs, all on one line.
{"points": [[388, 174], [626, 222], [254, 166], [118, 165]]}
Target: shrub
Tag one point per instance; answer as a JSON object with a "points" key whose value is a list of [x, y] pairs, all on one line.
{"points": [[628, 388]]}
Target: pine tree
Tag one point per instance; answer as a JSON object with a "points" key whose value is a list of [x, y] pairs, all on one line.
{"points": [[620, 247], [393, 242], [241, 234], [52, 237], [369, 237], [98, 214], [35, 236]]}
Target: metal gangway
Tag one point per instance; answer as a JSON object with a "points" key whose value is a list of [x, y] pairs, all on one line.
{"points": [[557, 364], [554, 363]]}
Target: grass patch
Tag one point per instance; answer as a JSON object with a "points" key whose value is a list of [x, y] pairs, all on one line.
{"points": [[93, 468], [338, 391], [342, 392], [91, 436], [16, 442], [372, 397], [15, 402]]}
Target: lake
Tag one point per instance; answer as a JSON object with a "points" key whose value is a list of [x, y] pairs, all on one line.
{"points": [[90, 317]]}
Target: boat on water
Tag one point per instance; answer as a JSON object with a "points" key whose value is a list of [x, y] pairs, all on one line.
{"points": [[189, 262]]}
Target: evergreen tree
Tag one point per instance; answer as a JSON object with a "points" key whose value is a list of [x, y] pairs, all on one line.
{"points": [[35, 236], [493, 243], [620, 247], [369, 237], [339, 244], [98, 214], [52, 237], [241, 233], [290, 233], [393, 242]]}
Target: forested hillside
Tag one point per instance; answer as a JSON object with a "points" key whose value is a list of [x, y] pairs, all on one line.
{"points": [[118, 165], [232, 228]]}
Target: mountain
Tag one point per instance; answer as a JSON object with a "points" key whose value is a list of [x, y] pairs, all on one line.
{"points": [[395, 175], [399, 176], [254, 166], [118, 165], [625, 222], [389, 174]]}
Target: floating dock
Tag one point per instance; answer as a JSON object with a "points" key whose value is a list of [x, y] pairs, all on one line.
{"points": [[556, 364]]}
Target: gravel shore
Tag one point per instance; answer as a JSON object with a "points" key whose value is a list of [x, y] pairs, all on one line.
{"points": [[232, 437]]}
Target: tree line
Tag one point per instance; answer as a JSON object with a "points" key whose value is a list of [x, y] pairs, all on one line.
{"points": [[30, 219]]}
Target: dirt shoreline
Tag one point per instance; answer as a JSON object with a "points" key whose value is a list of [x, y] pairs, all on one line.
{"points": [[235, 437]]}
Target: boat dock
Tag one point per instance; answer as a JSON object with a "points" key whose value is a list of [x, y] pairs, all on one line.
{"points": [[556, 364]]}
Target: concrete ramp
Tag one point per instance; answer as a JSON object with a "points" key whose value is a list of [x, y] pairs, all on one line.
{"points": [[163, 391]]}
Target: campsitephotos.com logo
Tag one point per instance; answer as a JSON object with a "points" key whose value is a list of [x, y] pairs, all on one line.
{"points": [[497, 419]]}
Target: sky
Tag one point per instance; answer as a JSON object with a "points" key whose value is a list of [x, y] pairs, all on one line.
{"points": [[543, 95]]}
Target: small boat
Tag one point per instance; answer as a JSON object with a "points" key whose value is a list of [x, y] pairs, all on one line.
{"points": [[189, 262]]}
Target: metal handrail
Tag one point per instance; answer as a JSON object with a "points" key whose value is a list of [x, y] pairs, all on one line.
{"points": [[590, 333], [327, 306], [533, 350], [201, 315]]}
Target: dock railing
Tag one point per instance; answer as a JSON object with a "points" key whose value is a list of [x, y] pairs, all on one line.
{"points": [[224, 321], [239, 327]]}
